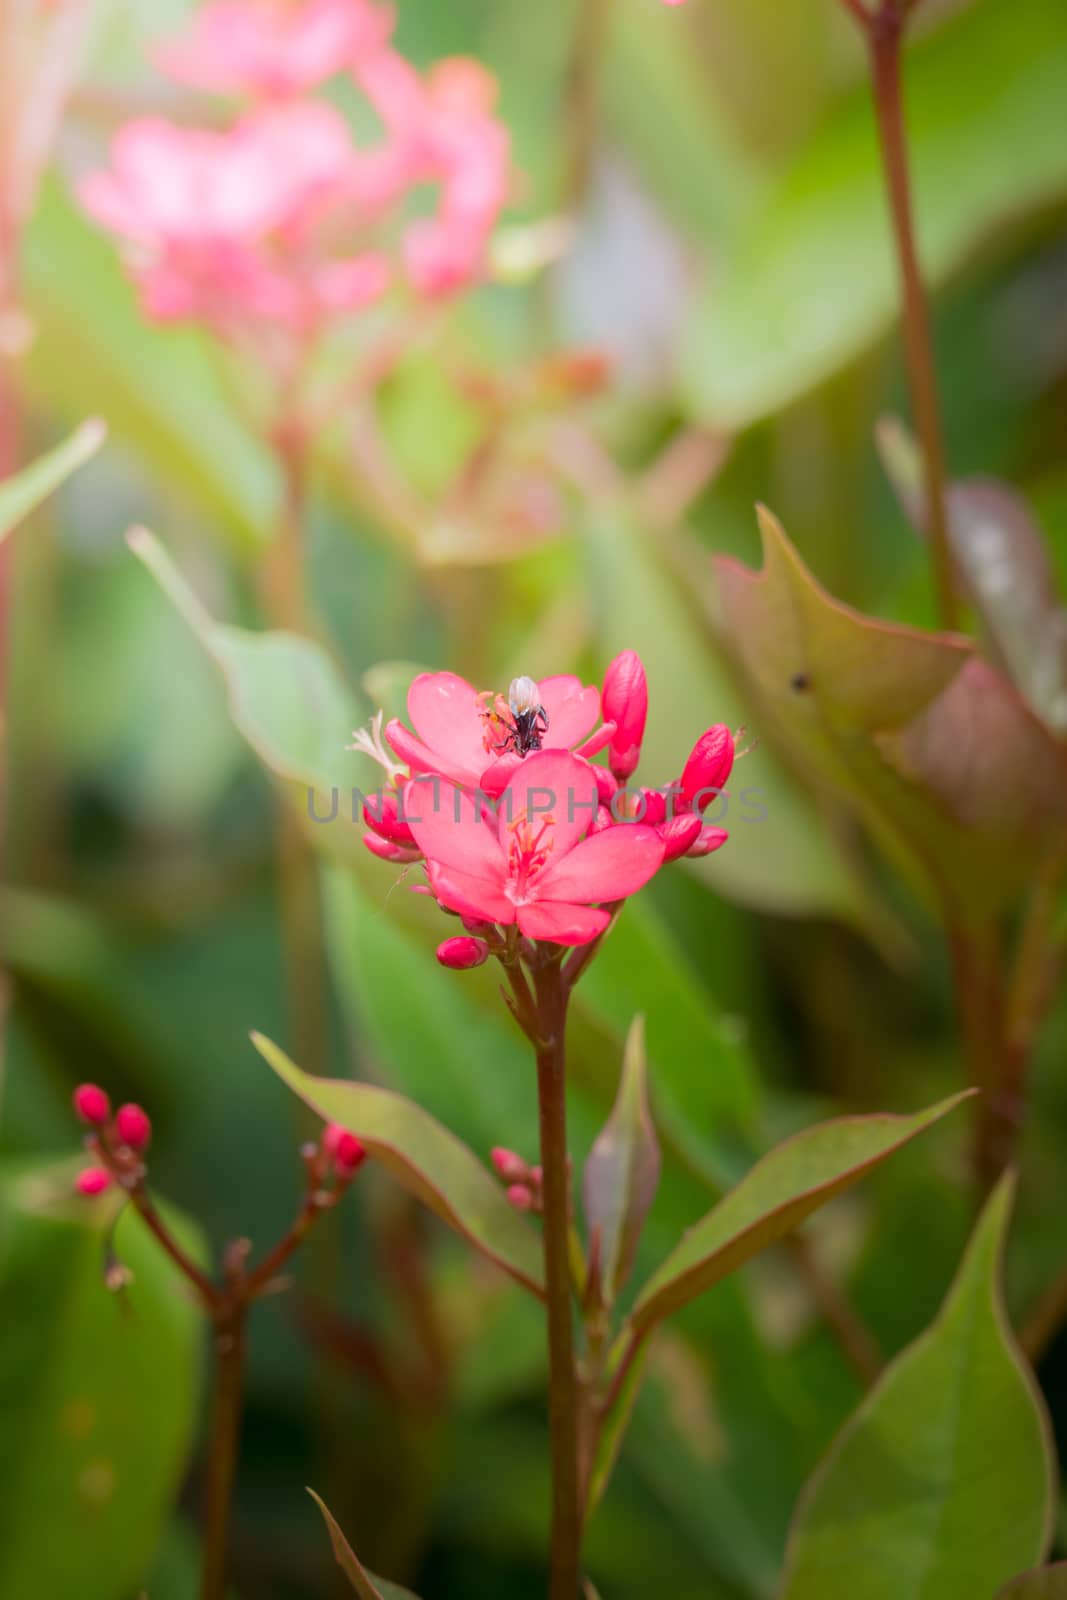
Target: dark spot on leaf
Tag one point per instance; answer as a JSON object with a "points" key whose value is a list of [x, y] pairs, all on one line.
{"points": [[800, 681]]}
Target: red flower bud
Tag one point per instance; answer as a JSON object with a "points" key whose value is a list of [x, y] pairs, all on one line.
{"points": [[508, 1165], [381, 813], [345, 1151], [92, 1105], [606, 786], [520, 1197], [385, 850], [624, 701], [708, 767], [133, 1127], [680, 835], [462, 953], [651, 807], [93, 1181]]}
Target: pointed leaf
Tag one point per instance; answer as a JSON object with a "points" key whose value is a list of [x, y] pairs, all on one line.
{"points": [[622, 1172], [426, 1158], [1004, 562], [940, 1486], [24, 492], [1047, 1583], [782, 1189], [286, 697], [364, 1583], [932, 747]]}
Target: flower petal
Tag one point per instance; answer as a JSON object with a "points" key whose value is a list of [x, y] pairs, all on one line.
{"points": [[445, 713], [555, 788], [471, 896], [608, 866], [572, 710], [562, 923], [452, 829]]}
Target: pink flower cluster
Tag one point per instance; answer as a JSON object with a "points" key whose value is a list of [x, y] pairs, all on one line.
{"points": [[282, 217], [516, 824]]}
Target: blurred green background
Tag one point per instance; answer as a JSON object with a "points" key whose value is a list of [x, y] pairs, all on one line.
{"points": [[732, 258]]}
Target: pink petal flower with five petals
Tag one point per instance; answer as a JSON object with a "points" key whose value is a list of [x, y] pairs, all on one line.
{"points": [[534, 862]]}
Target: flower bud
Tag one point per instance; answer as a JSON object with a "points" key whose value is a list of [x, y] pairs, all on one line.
{"points": [[708, 840], [343, 1148], [651, 807], [606, 785], [462, 953], [93, 1181], [92, 1105], [680, 835], [385, 850], [602, 820], [381, 813], [133, 1126], [708, 767], [509, 1166], [624, 701], [520, 1197]]}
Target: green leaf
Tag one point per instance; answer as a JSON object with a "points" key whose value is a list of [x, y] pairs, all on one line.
{"points": [[363, 1582], [940, 1486], [24, 492], [1006, 566], [1047, 1583], [286, 697], [98, 1393], [812, 281], [622, 1171], [933, 748], [160, 390], [785, 861], [782, 1189], [426, 1158]]}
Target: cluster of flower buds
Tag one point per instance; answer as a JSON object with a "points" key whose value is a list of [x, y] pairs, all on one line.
{"points": [[273, 226], [118, 1142], [523, 1182], [517, 822]]}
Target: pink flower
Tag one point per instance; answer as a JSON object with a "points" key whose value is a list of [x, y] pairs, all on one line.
{"points": [[625, 702], [223, 227], [274, 49], [444, 127], [461, 733], [535, 863]]}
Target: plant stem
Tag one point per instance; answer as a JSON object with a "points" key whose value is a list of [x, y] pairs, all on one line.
{"points": [[552, 996], [978, 980], [582, 107], [230, 1341], [884, 30]]}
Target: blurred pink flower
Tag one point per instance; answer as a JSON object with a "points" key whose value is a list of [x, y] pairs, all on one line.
{"points": [[535, 862], [224, 227], [274, 48], [444, 131]]}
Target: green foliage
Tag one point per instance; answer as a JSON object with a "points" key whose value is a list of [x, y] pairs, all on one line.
{"points": [[776, 1196], [364, 1583], [443, 1173], [23, 493], [98, 1392], [941, 1484], [622, 1172]]}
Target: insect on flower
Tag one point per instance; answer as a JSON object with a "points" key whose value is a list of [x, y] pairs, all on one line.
{"points": [[519, 725]]}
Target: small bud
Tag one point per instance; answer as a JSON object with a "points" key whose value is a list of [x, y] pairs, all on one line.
{"points": [[93, 1181], [520, 1197], [92, 1105], [708, 767], [381, 813], [653, 810], [708, 840], [462, 953], [133, 1127], [606, 786], [479, 927], [509, 1166], [624, 701], [680, 835], [343, 1148], [386, 850]]}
